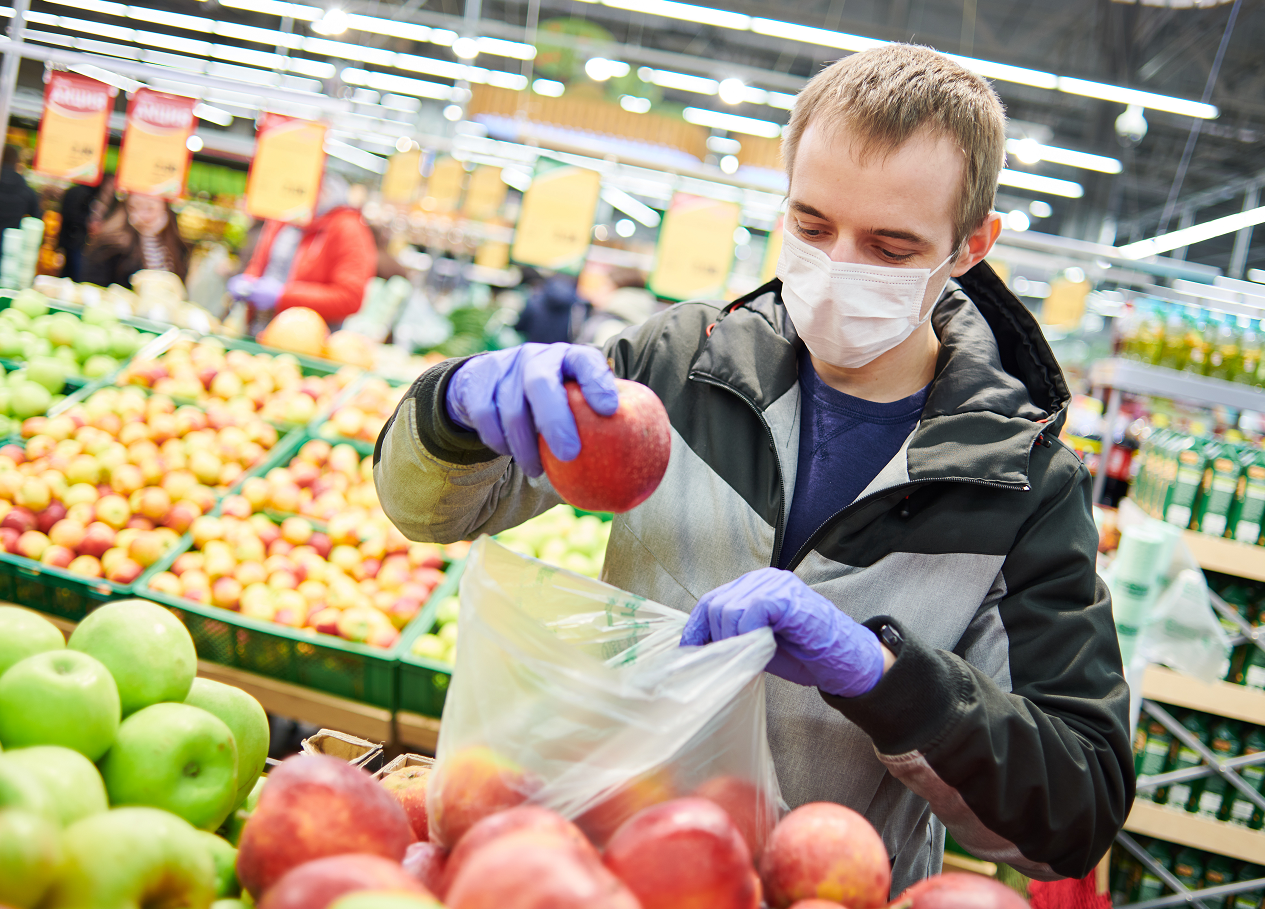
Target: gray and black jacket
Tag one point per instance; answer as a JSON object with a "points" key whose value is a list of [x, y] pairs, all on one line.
{"points": [[1004, 715]]}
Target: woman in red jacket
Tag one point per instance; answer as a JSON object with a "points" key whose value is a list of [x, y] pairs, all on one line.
{"points": [[323, 266]]}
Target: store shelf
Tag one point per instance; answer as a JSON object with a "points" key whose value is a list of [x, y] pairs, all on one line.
{"points": [[1221, 698], [1175, 826], [1143, 379], [1242, 560], [416, 731]]}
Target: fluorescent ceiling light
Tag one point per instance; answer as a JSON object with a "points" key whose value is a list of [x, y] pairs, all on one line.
{"points": [[599, 69], [345, 50], [634, 208], [687, 12], [100, 29], [516, 178], [122, 83], [1040, 184], [781, 99], [277, 8], [716, 120], [378, 26], [732, 91], [334, 22], [261, 59], [399, 84], [681, 81], [1195, 234], [171, 42], [1005, 73], [1257, 275], [548, 87], [1030, 152], [269, 36], [465, 48], [212, 114], [634, 104], [357, 156], [809, 35], [1133, 96], [502, 48], [174, 20]]}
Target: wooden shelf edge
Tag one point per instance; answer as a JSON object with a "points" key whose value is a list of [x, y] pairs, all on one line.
{"points": [[955, 862], [1236, 702], [1150, 819], [416, 730], [1226, 556]]}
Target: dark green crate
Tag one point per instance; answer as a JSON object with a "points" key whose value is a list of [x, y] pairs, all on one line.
{"points": [[424, 683], [54, 590]]}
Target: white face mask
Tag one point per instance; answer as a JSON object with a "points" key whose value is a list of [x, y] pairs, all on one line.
{"points": [[848, 314]]}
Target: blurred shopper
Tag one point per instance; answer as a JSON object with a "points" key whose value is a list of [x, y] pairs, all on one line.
{"points": [[17, 199], [625, 302], [140, 234], [83, 208], [323, 266], [554, 311]]}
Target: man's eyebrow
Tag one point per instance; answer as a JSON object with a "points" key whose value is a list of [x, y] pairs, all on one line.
{"points": [[807, 209], [906, 235]]}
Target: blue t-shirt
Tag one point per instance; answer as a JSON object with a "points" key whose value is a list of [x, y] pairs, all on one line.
{"points": [[843, 443]]}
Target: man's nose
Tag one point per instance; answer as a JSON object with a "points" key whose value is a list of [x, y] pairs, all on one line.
{"points": [[844, 249]]}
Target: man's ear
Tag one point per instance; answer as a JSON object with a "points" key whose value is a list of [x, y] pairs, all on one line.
{"points": [[978, 244]]}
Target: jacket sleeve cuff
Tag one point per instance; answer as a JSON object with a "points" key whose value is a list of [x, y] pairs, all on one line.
{"points": [[439, 435], [915, 702]]}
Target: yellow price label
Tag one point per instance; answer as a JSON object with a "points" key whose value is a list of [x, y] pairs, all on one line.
{"points": [[696, 248], [285, 176], [556, 219]]}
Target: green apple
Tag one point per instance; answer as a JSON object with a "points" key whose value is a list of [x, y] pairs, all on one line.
{"points": [[148, 651], [247, 721], [224, 856], [90, 341], [30, 854], [22, 789], [175, 757], [29, 399], [59, 697], [241, 814], [23, 633], [47, 371], [73, 781], [132, 858], [30, 302]]}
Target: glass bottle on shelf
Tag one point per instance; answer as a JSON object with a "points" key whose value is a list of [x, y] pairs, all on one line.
{"points": [[1224, 359], [1250, 351], [1174, 351]]}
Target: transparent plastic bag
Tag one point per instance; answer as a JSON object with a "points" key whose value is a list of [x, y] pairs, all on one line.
{"points": [[1184, 632], [574, 695]]}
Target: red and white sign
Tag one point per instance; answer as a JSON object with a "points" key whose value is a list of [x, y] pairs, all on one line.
{"points": [[155, 156], [74, 128]]}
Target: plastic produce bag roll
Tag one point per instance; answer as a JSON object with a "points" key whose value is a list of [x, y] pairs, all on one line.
{"points": [[574, 695]]}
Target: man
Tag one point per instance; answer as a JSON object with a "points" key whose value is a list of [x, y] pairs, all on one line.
{"points": [[17, 199], [864, 459]]}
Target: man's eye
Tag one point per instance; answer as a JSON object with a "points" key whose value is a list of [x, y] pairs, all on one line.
{"points": [[810, 232], [894, 257]]}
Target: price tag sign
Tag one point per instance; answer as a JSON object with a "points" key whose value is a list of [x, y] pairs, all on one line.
{"points": [[443, 190], [485, 193], [696, 248], [154, 157], [556, 219], [74, 128], [772, 250], [285, 175], [403, 177]]}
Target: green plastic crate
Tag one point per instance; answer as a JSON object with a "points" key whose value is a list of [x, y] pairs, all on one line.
{"points": [[54, 590], [424, 683]]}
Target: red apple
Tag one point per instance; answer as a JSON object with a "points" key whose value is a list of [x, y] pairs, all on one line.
{"points": [[45, 520], [825, 850], [32, 544], [57, 556], [85, 565], [9, 539], [426, 862], [125, 571], [226, 593], [20, 519], [113, 510], [97, 539], [686, 852], [601, 820], [316, 884], [750, 809], [622, 457], [956, 890], [521, 872], [472, 784], [408, 786], [146, 548], [541, 823], [321, 543], [315, 806]]}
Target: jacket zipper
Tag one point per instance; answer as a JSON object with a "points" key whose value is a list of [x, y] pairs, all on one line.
{"points": [[768, 431]]}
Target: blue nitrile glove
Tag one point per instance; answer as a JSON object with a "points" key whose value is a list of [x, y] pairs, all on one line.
{"points": [[817, 643], [508, 396], [241, 286], [265, 292]]}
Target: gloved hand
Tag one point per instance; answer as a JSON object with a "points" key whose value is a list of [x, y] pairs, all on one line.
{"points": [[817, 643], [508, 396], [265, 293], [240, 286]]}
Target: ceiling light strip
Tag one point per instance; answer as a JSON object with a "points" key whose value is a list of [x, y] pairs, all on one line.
{"points": [[1196, 233]]}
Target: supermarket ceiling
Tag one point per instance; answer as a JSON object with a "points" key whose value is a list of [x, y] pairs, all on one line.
{"points": [[681, 57]]}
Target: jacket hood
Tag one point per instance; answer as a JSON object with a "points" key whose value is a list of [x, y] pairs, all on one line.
{"points": [[997, 384]]}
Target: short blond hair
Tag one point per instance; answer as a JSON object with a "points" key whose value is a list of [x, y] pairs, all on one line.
{"points": [[885, 95]]}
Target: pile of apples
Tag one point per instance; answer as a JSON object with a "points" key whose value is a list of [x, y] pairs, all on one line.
{"points": [[106, 488], [441, 644], [118, 764], [271, 386], [89, 347], [325, 834], [366, 412], [357, 577]]}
